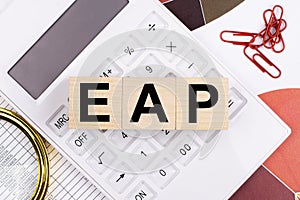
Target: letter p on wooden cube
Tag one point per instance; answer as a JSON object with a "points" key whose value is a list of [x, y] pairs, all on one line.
{"points": [[202, 103]]}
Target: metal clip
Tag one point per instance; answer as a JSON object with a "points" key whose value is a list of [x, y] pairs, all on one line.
{"points": [[264, 58], [239, 34]]}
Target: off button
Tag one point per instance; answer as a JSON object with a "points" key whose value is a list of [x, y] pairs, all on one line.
{"points": [[58, 122]]}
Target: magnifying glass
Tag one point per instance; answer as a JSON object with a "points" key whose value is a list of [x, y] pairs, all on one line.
{"points": [[22, 175]]}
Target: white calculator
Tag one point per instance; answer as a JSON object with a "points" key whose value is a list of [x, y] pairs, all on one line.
{"points": [[138, 38]]}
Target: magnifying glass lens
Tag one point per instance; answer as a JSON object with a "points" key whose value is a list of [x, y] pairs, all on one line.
{"points": [[18, 163]]}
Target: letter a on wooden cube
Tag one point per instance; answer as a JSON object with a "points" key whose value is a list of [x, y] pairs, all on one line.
{"points": [[95, 103], [148, 104], [202, 103]]}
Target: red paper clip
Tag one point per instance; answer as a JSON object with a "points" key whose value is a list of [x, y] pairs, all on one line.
{"points": [[264, 58], [270, 37], [273, 21], [238, 34], [274, 27]]}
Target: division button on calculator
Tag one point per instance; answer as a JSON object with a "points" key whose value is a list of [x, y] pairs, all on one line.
{"points": [[142, 192], [163, 176], [81, 141], [120, 180], [153, 22], [101, 158], [58, 122]]}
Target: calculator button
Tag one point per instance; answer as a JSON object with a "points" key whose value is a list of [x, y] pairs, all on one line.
{"points": [[81, 141], [213, 73], [196, 65], [202, 135], [108, 69], [122, 139], [142, 192], [174, 44], [163, 176], [211, 135], [142, 153], [155, 20], [170, 74], [210, 143], [58, 122], [150, 66], [120, 180], [101, 158], [143, 147], [166, 136], [186, 150], [129, 50], [152, 23], [147, 134], [236, 102]]}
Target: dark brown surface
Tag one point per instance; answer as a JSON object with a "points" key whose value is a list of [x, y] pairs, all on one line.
{"points": [[216, 8], [188, 12], [263, 186]]}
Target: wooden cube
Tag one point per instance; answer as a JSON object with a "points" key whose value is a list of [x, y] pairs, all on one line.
{"points": [[188, 117], [148, 103], [99, 106]]}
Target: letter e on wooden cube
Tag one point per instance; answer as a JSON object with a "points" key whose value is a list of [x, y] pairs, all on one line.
{"points": [[95, 103]]}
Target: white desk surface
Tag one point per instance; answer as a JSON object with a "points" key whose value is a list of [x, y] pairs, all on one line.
{"points": [[248, 16]]}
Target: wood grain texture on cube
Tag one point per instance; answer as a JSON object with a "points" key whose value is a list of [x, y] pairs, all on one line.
{"points": [[215, 118], [113, 109], [165, 88]]}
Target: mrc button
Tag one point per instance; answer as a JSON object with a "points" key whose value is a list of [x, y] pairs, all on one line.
{"points": [[58, 122]]}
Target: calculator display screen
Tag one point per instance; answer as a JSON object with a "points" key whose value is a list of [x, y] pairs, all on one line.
{"points": [[62, 43]]}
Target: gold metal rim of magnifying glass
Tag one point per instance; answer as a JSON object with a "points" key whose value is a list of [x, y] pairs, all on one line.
{"points": [[39, 147]]}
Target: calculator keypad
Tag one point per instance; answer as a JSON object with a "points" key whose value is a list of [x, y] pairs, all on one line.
{"points": [[135, 158]]}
